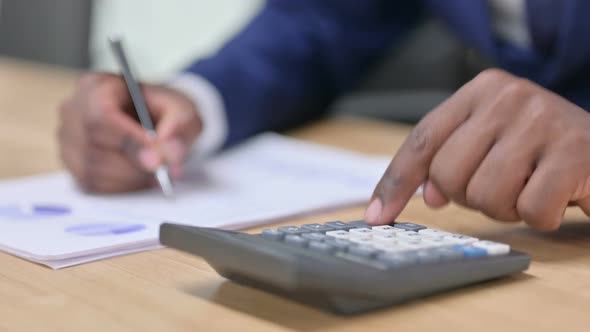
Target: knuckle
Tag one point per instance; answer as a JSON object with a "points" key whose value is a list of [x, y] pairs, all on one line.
{"points": [[539, 111], [575, 139], [490, 75], [532, 213], [451, 183], [499, 211], [93, 122], [96, 117], [494, 206], [475, 197], [516, 89], [87, 80], [91, 80]]}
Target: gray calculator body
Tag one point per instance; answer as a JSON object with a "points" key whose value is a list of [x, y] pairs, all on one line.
{"points": [[337, 281]]}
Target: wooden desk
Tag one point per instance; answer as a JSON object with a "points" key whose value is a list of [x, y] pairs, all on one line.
{"points": [[165, 290]]}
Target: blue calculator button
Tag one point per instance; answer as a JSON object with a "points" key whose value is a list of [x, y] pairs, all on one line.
{"points": [[470, 251]]}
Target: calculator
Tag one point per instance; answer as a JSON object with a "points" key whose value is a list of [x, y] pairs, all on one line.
{"points": [[348, 267]]}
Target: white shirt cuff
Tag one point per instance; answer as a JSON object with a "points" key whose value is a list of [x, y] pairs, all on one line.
{"points": [[209, 104]]}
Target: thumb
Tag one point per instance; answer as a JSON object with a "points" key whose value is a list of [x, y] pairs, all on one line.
{"points": [[174, 139]]}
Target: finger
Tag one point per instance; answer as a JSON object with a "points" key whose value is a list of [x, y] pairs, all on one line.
{"points": [[433, 197], [496, 185], [546, 195], [109, 171], [110, 127], [500, 178], [409, 168], [584, 204], [176, 133], [460, 156]]}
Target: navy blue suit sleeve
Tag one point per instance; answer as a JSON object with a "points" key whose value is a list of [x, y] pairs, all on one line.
{"points": [[296, 56]]}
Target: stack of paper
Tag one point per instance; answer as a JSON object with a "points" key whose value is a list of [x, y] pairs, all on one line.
{"points": [[46, 219]]}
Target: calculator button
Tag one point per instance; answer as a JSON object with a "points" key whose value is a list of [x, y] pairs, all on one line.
{"points": [[290, 230], [361, 239], [391, 247], [363, 251], [470, 251], [358, 223], [434, 232], [427, 256], [410, 246], [340, 234], [272, 234], [381, 228], [295, 240], [408, 226], [338, 225], [434, 243], [409, 242], [361, 260], [448, 254], [314, 236], [339, 244], [409, 235], [317, 227], [395, 260], [386, 229], [363, 231], [460, 239], [384, 237], [321, 247], [493, 248]]}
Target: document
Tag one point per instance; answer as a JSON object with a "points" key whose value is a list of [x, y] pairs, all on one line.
{"points": [[48, 220]]}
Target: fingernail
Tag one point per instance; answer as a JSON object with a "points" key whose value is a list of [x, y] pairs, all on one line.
{"points": [[174, 151], [373, 213], [149, 159]]}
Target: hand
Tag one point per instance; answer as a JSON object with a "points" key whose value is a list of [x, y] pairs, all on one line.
{"points": [[501, 145], [104, 146]]}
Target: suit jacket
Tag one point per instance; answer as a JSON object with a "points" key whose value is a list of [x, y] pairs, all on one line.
{"points": [[295, 57]]}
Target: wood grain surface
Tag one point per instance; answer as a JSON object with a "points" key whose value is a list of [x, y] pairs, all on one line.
{"points": [[165, 290]]}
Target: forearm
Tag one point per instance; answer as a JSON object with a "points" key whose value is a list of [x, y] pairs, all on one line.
{"points": [[294, 58]]}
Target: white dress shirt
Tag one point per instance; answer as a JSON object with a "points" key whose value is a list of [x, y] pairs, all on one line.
{"points": [[509, 24]]}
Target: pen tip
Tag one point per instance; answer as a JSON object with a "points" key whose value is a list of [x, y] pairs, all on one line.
{"points": [[164, 181]]}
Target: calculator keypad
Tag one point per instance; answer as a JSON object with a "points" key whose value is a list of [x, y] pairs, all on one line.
{"points": [[388, 246]]}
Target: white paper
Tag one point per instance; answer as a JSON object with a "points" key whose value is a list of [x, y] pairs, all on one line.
{"points": [[46, 219]]}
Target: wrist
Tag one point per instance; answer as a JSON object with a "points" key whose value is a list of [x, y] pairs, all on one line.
{"points": [[208, 105]]}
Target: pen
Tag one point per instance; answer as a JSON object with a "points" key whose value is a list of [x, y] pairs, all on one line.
{"points": [[162, 175]]}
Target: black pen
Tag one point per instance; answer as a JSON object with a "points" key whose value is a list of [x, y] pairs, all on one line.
{"points": [[162, 174]]}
